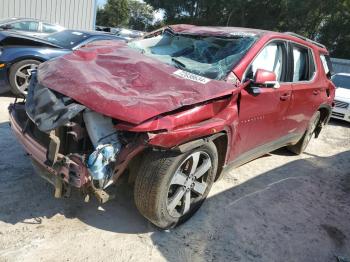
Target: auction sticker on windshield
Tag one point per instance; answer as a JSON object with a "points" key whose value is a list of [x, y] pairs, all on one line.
{"points": [[190, 76]]}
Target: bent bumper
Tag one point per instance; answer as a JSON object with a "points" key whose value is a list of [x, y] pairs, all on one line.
{"points": [[34, 149]]}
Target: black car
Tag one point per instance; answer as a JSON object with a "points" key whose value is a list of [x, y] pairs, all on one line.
{"points": [[20, 54]]}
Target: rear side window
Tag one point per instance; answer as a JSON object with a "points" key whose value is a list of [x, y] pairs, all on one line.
{"points": [[327, 65], [303, 64], [47, 28]]}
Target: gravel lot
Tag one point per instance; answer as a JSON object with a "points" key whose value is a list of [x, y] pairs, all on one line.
{"points": [[277, 208]]}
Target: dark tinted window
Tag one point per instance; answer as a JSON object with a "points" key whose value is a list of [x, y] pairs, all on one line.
{"points": [[341, 81], [67, 39]]}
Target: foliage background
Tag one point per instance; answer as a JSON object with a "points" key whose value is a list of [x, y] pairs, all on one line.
{"points": [[326, 21]]}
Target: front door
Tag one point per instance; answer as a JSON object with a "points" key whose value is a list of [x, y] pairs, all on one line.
{"points": [[262, 116]]}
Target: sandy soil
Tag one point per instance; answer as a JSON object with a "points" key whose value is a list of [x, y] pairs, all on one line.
{"points": [[277, 208]]}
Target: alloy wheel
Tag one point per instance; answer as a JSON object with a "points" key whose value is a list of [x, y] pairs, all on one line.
{"points": [[23, 76], [188, 183]]}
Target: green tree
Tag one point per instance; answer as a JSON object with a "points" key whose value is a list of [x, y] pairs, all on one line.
{"points": [[114, 13], [140, 15], [327, 21], [101, 17]]}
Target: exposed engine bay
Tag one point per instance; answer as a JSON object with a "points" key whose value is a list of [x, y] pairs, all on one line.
{"points": [[85, 150]]}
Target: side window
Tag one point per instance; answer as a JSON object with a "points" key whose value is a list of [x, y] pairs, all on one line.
{"points": [[303, 64], [47, 28], [31, 26], [327, 65], [271, 58]]}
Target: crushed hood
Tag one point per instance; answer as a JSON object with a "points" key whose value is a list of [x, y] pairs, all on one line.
{"points": [[115, 80]]}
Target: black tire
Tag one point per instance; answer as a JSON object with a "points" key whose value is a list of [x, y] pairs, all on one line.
{"points": [[153, 184], [15, 88], [300, 147]]}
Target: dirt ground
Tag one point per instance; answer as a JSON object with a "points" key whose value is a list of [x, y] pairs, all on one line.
{"points": [[277, 208]]}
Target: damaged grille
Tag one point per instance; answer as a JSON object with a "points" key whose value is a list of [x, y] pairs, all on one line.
{"points": [[48, 109]]}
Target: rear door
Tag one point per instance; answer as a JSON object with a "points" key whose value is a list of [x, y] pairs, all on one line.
{"points": [[308, 89], [262, 116]]}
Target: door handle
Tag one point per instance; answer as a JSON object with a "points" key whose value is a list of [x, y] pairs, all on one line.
{"points": [[285, 96], [316, 92]]}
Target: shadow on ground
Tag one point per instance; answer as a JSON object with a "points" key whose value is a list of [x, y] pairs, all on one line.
{"points": [[297, 212], [7, 94], [338, 122]]}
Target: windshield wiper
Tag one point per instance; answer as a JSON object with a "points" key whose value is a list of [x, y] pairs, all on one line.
{"points": [[178, 63]]}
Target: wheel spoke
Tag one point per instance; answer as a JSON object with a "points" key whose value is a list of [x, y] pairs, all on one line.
{"points": [[23, 87], [199, 187], [195, 159], [21, 74], [187, 200], [205, 166], [178, 179], [175, 200]]}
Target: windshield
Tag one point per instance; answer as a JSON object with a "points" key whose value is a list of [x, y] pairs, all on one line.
{"points": [[67, 39], [341, 81], [211, 57]]}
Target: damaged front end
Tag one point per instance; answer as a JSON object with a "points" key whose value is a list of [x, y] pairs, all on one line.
{"points": [[70, 145]]}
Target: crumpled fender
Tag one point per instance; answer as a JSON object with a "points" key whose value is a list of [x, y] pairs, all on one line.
{"points": [[201, 121]]}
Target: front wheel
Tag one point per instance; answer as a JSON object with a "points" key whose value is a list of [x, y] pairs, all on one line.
{"points": [[300, 147], [170, 187]]}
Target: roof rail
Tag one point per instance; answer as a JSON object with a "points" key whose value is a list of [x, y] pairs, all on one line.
{"points": [[305, 39]]}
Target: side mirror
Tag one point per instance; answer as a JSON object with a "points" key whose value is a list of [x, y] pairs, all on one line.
{"points": [[265, 78]]}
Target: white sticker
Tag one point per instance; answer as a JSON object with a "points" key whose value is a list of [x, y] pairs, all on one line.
{"points": [[190, 76], [242, 34]]}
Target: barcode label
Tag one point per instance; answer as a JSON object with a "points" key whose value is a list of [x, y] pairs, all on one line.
{"points": [[190, 76]]}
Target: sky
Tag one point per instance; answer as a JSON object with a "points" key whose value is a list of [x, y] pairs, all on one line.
{"points": [[101, 2]]}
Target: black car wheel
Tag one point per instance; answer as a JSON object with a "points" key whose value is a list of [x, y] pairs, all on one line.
{"points": [[300, 147], [20, 74], [170, 187]]}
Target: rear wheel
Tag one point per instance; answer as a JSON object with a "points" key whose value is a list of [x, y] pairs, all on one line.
{"points": [[20, 75], [300, 147], [170, 187]]}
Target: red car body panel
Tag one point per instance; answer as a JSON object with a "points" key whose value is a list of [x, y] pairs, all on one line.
{"points": [[145, 96], [143, 93], [120, 82]]}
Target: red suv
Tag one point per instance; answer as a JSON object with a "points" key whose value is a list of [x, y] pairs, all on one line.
{"points": [[170, 111]]}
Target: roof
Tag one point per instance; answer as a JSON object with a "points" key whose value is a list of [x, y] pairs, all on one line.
{"points": [[236, 31], [216, 30], [13, 19]]}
